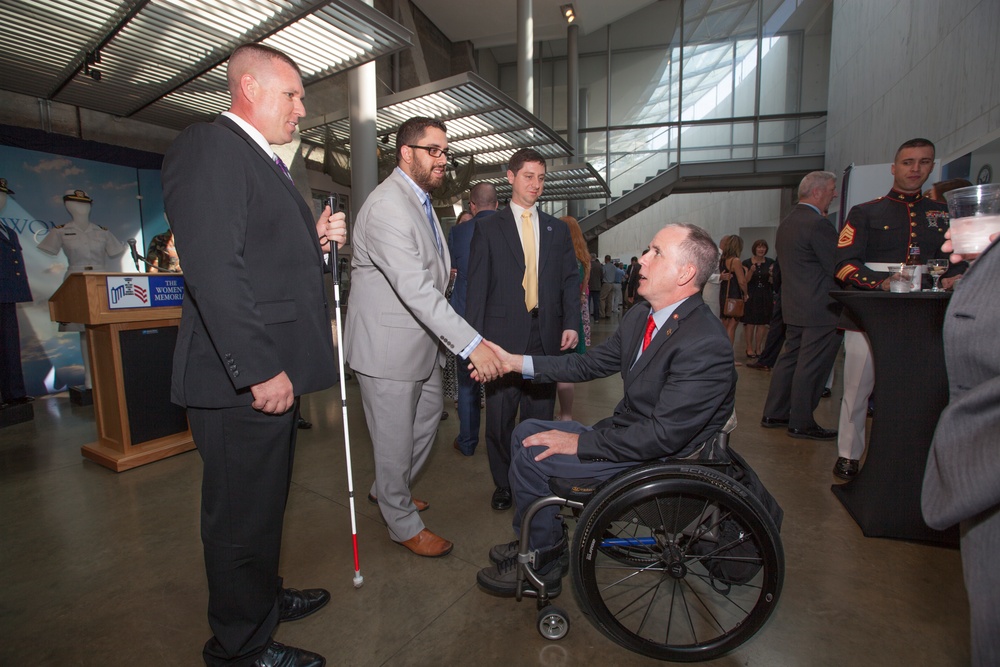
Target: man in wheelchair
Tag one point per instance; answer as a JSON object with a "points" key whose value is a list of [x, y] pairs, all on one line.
{"points": [[677, 368]]}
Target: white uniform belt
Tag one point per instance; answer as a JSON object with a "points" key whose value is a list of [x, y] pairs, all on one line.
{"points": [[884, 267]]}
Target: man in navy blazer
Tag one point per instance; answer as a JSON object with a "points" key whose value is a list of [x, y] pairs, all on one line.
{"points": [[483, 203], [680, 384], [527, 307], [254, 336]]}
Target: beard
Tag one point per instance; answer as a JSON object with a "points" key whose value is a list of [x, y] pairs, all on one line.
{"points": [[426, 178]]}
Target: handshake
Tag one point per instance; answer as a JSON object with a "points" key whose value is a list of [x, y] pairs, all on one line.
{"points": [[490, 361]]}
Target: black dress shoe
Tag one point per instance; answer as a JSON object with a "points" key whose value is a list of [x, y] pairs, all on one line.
{"points": [[845, 468], [757, 366], [21, 401], [825, 394], [813, 433], [303, 424], [297, 604], [502, 500], [279, 655], [773, 422]]}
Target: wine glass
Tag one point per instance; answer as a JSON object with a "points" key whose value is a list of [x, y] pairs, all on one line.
{"points": [[937, 267]]}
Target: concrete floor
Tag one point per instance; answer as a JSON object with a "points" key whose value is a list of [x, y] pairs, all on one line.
{"points": [[98, 568]]}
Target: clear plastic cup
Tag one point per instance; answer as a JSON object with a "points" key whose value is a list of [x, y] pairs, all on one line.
{"points": [[975, 215]]}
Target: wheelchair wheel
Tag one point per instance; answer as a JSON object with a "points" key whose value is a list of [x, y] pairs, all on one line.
{"points": [[678, 563], [552, 623]]}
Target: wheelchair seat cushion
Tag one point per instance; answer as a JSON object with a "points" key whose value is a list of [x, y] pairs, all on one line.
{"points": [[574, 489]]}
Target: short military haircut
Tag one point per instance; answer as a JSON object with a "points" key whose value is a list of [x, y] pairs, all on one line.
{"points": [[484, 195], [814, 181], [518, 159], [699, 250], [246, 56], [914, 143], [410, 132]]}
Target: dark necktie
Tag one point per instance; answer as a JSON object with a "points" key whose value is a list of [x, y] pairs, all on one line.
{"points": [[284, 169], [650, 327]]}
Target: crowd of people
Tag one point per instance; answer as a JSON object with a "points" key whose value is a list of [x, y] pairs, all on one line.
{"points": [[255, 336]]}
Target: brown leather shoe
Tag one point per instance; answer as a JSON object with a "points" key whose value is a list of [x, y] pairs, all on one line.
{"points": [[426, 543], [421, 505]]}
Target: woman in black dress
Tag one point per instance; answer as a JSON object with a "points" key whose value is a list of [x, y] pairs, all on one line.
{"points": [[759, 306]]}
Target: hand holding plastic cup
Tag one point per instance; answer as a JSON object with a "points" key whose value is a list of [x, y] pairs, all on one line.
{"points": [[975, 217], [901, 282]]}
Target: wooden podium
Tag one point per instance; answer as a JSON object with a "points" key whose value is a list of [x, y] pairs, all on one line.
{"points": [[130, 359]]}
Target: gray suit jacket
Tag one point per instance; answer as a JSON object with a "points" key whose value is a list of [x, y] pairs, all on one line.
{"points": [[962, 480], [806, 244], [399, 323]]}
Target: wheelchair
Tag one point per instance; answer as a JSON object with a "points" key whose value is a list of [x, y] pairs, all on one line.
{"points": [[675, 560]]}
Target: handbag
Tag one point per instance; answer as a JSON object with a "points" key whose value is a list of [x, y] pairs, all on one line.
{"points": [[732, 307]]}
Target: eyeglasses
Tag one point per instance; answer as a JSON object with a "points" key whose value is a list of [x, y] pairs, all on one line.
{"points": [[434, 151]]}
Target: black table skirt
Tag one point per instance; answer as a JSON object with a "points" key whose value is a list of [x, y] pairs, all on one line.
{"points": [[911, 391]]}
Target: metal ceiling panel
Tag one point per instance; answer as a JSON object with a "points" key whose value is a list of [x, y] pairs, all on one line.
{"points": [[163, 60], [42, 42], [482, 121], [571, 181]]}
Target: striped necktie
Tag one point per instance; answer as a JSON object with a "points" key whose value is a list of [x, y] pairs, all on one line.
{"points": [[284, 169]]}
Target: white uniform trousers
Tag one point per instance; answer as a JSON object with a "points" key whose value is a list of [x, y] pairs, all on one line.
{"points": [[859, 380]]}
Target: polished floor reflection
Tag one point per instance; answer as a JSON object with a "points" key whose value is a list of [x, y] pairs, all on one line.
{"points": [[98, 568]]}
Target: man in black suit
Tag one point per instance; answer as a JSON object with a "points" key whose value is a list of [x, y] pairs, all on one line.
{"points": [[676, 364], [254, 336], [806, 244], [524, 294]]}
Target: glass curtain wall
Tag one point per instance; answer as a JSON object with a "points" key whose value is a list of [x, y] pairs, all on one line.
{"points": [[692, 81]]}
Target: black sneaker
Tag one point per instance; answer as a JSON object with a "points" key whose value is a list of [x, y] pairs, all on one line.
{"points": [[501, 579], [502, 552]]}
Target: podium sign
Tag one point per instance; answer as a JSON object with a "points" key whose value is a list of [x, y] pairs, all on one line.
{"points": [[131, 322], [145, 291]]}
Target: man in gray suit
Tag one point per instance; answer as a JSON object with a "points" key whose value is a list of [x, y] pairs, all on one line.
{"points": [[806, 243], [960, 484], [401, 326]]}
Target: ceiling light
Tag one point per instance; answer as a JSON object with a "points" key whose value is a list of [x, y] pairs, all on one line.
{"points": [[568, 13]]}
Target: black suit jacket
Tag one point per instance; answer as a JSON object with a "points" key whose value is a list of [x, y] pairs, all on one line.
{"points": [[495, 302], [806, 245], [254, 302], [678, 394]]}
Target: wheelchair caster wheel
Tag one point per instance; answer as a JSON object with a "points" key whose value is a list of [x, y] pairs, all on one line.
{"points": [[553, 623]]}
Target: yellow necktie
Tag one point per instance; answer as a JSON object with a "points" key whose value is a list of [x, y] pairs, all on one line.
{"points": [[530, 282]]}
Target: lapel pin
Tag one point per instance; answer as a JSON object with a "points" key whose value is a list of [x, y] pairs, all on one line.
{"points": [[548, 229]]}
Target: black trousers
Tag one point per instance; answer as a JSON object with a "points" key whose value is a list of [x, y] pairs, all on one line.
{"points": [[11, 374], [247, 459], [504, 398], [798, 378]]}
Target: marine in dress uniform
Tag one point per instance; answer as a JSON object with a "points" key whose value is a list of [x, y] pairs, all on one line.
{"points": [[14, 289], [877, 233]]}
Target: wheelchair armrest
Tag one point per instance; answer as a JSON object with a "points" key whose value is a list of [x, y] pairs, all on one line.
{"points": [[574, 489]]}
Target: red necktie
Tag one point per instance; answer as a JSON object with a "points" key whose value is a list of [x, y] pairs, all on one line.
{"points": [[650, 326]]}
